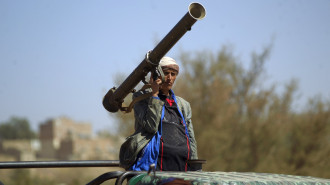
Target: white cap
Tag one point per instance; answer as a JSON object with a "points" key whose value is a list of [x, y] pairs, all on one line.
{"points": [[168, 62]]}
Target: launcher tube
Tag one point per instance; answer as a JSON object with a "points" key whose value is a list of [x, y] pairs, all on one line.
{"points": [[114, 98]]}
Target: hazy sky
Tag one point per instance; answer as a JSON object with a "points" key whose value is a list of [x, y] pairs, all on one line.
{"points": [[58, 58]]}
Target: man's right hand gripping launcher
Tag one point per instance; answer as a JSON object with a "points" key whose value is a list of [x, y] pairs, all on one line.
{"points": [[114, 98], [156, 70]]}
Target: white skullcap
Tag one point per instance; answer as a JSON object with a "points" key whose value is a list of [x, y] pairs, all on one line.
{"points": [[168, 63]]}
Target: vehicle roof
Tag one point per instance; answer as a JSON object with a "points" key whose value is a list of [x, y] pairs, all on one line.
{"points": [[237, 178]]}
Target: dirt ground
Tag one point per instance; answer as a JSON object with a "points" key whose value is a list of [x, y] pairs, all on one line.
{"points": [[56, 176]]}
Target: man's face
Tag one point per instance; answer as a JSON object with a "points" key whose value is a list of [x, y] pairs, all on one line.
{"points": [[170, 76]]}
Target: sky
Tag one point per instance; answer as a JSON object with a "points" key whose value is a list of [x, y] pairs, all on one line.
{"points": [[59, 58]]}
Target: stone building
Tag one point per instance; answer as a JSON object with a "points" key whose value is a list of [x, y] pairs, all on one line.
{"points": [[19, 149], [64, 139]]}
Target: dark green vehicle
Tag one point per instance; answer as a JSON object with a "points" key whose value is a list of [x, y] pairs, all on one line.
{"points": [[225, 178]]}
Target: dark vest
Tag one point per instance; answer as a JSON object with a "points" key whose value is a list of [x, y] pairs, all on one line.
{"points": [[174, 146]]}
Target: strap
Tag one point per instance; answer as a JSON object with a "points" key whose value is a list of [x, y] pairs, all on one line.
{"points": [[139, 98]]}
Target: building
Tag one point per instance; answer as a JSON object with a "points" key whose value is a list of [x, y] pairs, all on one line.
{"points": [[19, 149], [64, 139]]}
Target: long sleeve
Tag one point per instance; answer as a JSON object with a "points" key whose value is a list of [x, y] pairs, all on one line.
{"points": [[193, 143], [147, 113]]}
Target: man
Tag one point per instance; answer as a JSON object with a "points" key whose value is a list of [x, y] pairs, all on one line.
{"points": [[165, 121]]}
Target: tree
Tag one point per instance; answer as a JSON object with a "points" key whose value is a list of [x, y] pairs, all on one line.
{"points": [[16, 128]]}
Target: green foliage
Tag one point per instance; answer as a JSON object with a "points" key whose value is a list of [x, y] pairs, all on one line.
{"points": [[16, 128], [243, 125]]}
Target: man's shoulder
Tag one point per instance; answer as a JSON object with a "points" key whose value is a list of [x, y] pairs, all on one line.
{"points": [[182, 101], [179, 98]]}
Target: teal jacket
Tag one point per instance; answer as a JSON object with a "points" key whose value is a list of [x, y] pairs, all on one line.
{"points": [[147, 114]]}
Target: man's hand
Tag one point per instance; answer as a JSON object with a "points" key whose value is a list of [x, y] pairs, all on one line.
{"points": [[155, 85]]}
